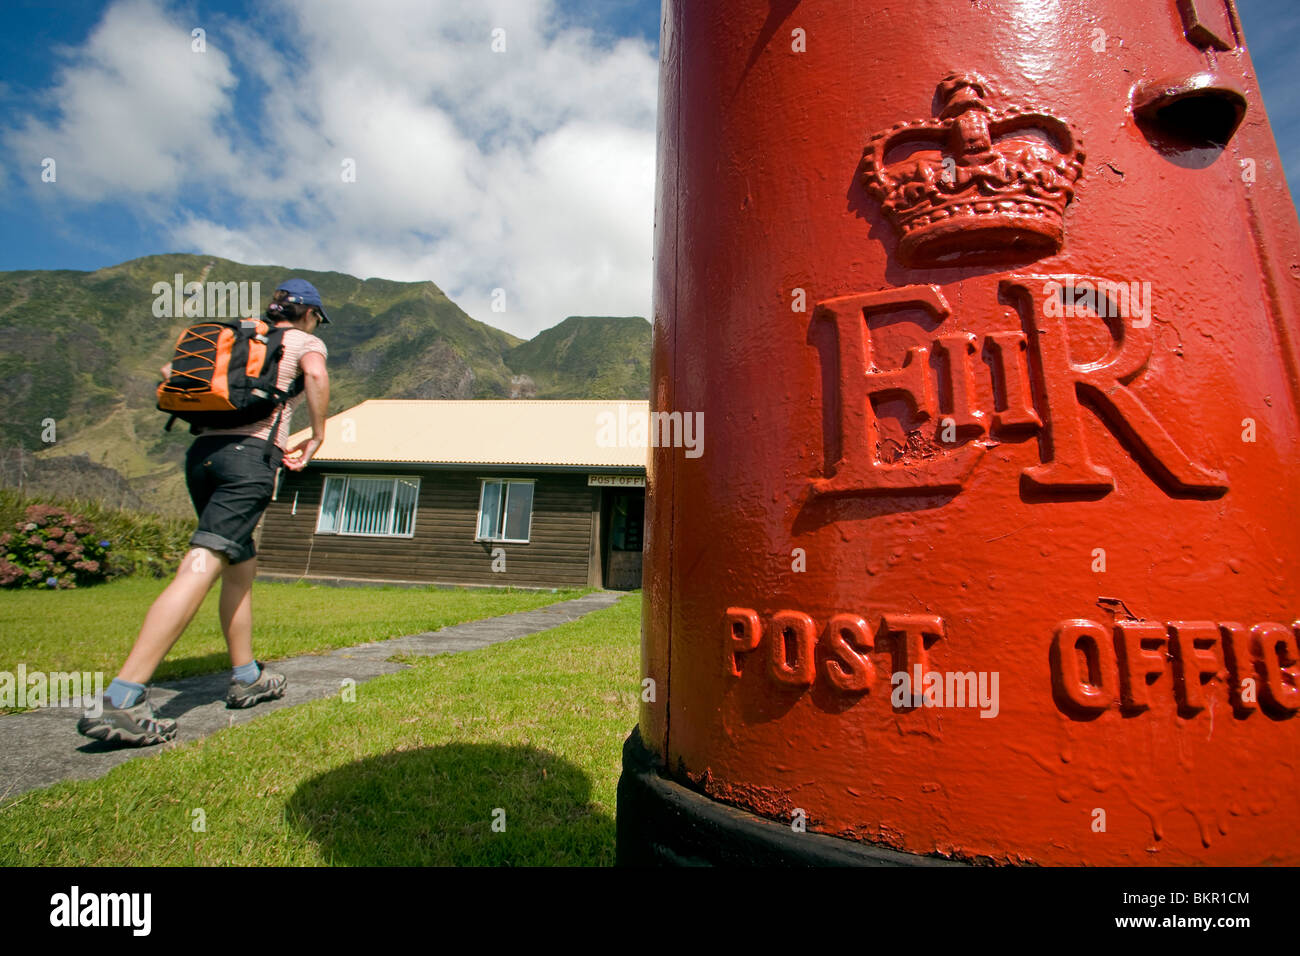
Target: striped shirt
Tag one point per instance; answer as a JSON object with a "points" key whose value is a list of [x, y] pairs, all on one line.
{"points": [[297, 343]]}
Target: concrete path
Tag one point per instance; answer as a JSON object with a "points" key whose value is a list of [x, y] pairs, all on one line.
{"points": [[41, 747]]}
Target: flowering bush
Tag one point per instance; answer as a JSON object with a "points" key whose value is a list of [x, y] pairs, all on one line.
{"points": [[52, 549]]}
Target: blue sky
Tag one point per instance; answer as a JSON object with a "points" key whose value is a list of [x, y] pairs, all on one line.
{"points": [[529, 169], [1272, 29], [525, 165]]}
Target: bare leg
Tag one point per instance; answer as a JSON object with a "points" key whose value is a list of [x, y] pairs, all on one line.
{"points": [[237, 610], [171, 612]]}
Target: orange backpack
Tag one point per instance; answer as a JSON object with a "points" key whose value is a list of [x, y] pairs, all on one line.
{"points": [[224, 374]]}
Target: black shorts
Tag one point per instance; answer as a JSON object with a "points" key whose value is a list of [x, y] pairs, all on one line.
{"points": [[230, 479]]}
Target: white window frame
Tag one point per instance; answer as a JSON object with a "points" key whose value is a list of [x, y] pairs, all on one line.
{"points": [[478, 517], [415, 510]]}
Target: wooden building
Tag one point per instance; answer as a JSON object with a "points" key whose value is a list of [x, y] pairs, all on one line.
{"points": [[499, 493]]}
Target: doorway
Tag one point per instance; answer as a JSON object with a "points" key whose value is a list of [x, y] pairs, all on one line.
{"points": [[625, 519]]}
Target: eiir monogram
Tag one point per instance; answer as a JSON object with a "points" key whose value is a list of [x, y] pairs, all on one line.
{"points": [[1042, 391]]}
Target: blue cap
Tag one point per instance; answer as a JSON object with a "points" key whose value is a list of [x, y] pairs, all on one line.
{"points": [[300, 290]]}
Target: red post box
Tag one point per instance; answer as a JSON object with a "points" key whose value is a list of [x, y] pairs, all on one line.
{"points": [[989, 551]]}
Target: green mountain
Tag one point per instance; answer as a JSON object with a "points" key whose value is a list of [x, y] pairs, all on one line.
{"points": [[80, 353], [587, 356]]}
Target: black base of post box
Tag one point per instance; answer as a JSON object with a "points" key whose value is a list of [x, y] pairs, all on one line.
{"points": [[662, 823]]}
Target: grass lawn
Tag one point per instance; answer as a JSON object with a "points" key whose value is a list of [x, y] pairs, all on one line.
{"points": [[92, 629], [527, 733]]}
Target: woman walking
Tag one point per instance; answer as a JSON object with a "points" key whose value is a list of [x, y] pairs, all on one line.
{"points": [[230, 474]]}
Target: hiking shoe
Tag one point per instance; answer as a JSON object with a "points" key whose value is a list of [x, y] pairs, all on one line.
{"points": [[268, 686], [135, 726]]}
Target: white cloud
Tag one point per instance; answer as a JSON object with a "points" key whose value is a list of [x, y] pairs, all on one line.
{"points": [[136, 110], [530, 169]]}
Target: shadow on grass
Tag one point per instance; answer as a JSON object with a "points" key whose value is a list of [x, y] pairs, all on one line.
{"points": [[195, 666], [436, 806]]}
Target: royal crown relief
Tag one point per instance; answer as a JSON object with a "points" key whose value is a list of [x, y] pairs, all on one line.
{"points": [[974, 185], [984, 186]]}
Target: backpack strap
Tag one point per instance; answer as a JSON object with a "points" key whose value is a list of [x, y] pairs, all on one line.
{"points": [[297, 386], [270, 438]]}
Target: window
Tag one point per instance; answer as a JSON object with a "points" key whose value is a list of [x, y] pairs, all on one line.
{"points": [[505, 510], [368, 506]]}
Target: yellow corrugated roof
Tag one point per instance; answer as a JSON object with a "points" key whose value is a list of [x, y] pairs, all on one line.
{"points": [[491, 432]]}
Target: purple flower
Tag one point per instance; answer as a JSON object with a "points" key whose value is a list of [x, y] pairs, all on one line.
{"points": [[9, 572], [43, 513], [52, 582], [105, 544]]}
